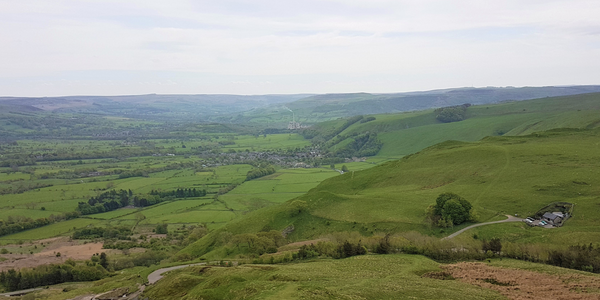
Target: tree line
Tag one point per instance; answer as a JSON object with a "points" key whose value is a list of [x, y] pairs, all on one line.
{"points": [[14, 280], [14, 224], [88, 233], [260, 172], [113, 199], [180, 193]]}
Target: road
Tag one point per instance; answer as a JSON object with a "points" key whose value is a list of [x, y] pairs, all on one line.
{"points": [[19, 293], [510, 219], [157, 275]]}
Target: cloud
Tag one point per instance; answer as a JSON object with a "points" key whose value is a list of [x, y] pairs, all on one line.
{"points": [[377, 45]]}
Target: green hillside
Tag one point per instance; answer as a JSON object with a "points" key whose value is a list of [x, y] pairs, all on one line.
{"points": [[410, 132], [498, 175], [366, 277]]}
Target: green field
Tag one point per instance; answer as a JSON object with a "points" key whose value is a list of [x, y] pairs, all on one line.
{"points": [[47, 231]]}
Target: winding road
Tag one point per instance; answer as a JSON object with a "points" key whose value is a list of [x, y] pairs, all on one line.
{"points": [[510, 219], [157, 275]]}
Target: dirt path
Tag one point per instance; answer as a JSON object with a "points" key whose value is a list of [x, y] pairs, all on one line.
{"points": [[510, 219], [19, 293], [157, 275]]}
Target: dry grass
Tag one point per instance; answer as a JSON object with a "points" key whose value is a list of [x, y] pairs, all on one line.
{"points": [[521, 284]]}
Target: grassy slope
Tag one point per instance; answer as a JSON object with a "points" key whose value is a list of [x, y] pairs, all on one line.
{"points": [[364, 277], [498, 175], [408, 133]]}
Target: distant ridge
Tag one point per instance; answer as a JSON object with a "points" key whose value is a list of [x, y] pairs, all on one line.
{"points": [[274, 110]]}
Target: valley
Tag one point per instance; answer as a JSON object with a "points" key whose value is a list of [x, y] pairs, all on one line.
{"points": [[260, 204]]}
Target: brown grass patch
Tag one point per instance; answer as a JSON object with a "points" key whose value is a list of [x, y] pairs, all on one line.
{"points": [[522, 284], [438, 275], [68, 250]]}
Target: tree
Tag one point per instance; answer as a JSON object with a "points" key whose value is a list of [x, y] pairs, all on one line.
{"points": [[449, 209], [344, 169], [162, 228], [103, 260], [297, 207], [493, 245]]}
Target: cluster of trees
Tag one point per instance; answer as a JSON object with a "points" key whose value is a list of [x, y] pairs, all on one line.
{"points": [[146, 201], [584, 257], [452, 113], [179, 193], [153, 243], [13, 280], [145, 259], [21, 187], [494, 245], [318, 135], [341, 250], [368, 119], [260, 243], [17, 162], [107, 201], [260, 172], [118, 232], [135, 173], [363, 145], [111, 200], [450, 209], [162, 228], [14, 224], [580, 257]]}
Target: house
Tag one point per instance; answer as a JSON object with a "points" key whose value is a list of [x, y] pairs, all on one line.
{"points": [[552, 218]]}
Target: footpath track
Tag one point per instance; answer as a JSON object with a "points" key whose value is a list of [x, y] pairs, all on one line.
{"points": [[157, 275], [510, 219]]}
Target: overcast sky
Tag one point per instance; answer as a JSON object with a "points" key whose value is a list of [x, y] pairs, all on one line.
{"points": [[75, 47]]}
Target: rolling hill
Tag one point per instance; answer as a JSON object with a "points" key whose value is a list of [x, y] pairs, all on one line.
{"points": [[407, 133], [498, 175], [319, 108]]}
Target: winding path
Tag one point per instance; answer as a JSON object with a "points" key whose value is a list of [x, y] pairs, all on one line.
{"points": [[510, 219], [157, 275]]}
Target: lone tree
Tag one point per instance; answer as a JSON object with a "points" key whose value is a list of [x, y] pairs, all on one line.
{"points": [[450, 209]]}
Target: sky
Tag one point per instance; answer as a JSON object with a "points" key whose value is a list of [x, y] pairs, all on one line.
{"points": [[89, 47]]}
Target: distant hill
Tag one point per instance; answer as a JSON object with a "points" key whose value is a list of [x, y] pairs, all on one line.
{"points": [[276, 111], [173, 107], [318, 108], [406, 133]]}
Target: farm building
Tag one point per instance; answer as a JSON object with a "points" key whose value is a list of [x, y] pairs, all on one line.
{"points": [[552, 218]]}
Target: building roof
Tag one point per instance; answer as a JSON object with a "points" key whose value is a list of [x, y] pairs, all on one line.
{"points": [[550, 216]]}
